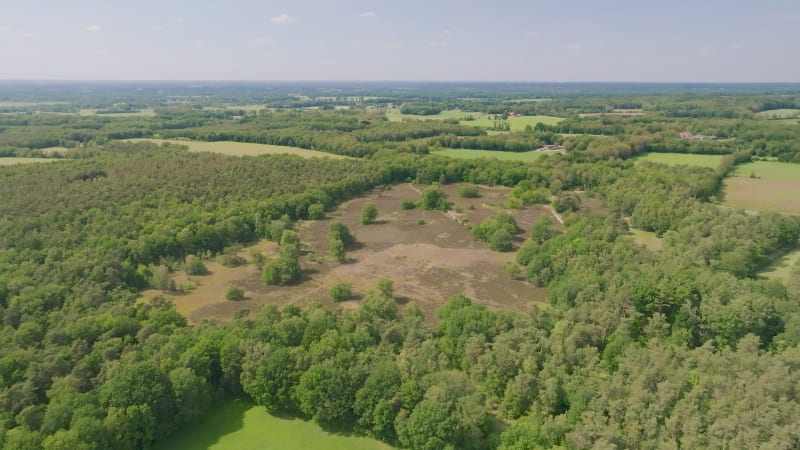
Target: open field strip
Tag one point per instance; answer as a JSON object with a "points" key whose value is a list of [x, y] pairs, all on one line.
{"points": [[241, 148], [688, 159]]}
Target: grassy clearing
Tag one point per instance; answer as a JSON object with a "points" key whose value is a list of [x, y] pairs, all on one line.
{"points": [[763, 194], [675, 159], [648, 239], [783, 268], [11, 161], [239, 425], [464, 153], [779, 114], [769, 170], [242, 148]]}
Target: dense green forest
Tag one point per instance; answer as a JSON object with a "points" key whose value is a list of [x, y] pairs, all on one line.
{"points": [[682, 347]]}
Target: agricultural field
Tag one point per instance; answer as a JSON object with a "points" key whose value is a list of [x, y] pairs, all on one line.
{"points": [[147, 112], [11, 161], [465, 153], [429, 255], [777, 114], [675, 159], [769, 170], [762, 194], [239, 425], [478, 119], [242, 148]]}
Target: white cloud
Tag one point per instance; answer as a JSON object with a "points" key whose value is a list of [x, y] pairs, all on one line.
{"points": [[262, 41], [367, 14], [93, 28], [283, 19], [533, 33], [447, 32], [157, 28], [736, 46], [393, 46], [180, 20], [437, 44]]}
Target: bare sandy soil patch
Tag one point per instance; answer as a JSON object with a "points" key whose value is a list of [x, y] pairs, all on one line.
{"points": [[429, 255]]}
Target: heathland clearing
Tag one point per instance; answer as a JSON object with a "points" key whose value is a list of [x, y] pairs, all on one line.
{"points": [[429, 255], [242, 148]]}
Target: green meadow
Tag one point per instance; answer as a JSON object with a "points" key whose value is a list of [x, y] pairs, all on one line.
{"points": [[687, 159], [464, 153], [241, 148], [239, 425], [769, 170]]}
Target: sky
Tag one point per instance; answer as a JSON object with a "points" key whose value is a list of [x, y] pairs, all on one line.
{"points": [[404, 40]]}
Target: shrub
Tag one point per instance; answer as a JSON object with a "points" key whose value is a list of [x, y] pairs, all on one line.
{"points": [[501, 241], [369, 213], [195, 266], [316, 211], [232, 260], [234, 293], [567, 201], [433, 198], [468, 191], [340, 231], [340, 291], [281, 271], [407, 204]]}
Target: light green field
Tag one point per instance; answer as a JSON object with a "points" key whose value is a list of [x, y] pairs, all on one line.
{"points": [[481, 120], [237, 425], [688, 159], [769, 170], [12, 161], [783, 269], [516, 123], [779, 113], [242, 148], [503, 156], [247, 108], [148, 112]]}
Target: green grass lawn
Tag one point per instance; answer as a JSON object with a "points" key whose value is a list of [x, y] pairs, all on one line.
{"points": [[11, 161], [242, 148], [464, 153], [238, 425], [688, 159], [769, 170]]}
